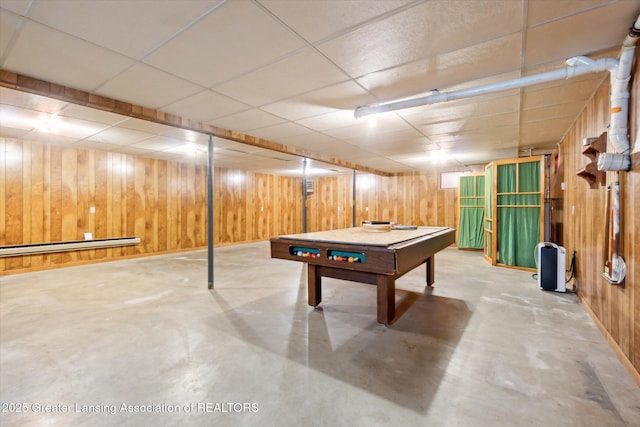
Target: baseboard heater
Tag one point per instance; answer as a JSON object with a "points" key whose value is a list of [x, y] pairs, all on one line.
{"points": [[73, 245]]}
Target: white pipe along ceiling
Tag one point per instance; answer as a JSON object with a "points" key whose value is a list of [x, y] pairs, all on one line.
{"points": [[578, 66], [620, 73]]}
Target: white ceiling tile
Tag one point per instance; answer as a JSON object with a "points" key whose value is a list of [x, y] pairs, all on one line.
{"points": [[247, 120], [492, 120], [443, 71], [18, 6], [191, 136], [205, 106], [79, 129], [91, 114], [299, 73], [120, 136], [336, 119], [365, 127], [159, 143], [148, 87], [9, 25], [49, 138], [543, 11], [144, 126], [343, 96], [568, 92], [132, 28], [8, 132], [51, 55], [233, 39], [30, 101], [601, 33], [315, 20], [425, 30], [570, 109]]}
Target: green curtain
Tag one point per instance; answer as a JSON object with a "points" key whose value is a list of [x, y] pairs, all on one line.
{"points": [[518, 225], [470, 231], [488, 212]]}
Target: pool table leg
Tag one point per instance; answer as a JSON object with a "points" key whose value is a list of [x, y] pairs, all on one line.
{"points": [[314, 286], [431, 269], [386, 286]]}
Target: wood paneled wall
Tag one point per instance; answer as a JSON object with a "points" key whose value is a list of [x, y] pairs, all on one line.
{"points": [[410, 198], [47, 192], [616, 308]]}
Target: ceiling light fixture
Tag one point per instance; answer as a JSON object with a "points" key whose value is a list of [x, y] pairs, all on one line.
{"points": [[439, 156], [49, 124]]}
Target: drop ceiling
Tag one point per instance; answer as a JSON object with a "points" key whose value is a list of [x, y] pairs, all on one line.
{"points": [[293, 71]]}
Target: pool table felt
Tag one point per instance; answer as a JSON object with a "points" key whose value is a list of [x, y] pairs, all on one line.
{"points": [[358, 235]]}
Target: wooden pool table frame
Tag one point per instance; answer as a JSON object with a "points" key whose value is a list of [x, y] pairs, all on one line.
{"points": [[382, 266]]}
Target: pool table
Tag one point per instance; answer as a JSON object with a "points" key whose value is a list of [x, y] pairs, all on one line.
{"points": [[358, 255]]}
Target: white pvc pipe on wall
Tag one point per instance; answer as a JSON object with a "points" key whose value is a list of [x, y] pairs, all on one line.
{"points": [[618, 134]]}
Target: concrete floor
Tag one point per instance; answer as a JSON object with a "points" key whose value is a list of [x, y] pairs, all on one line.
{"points": [[98, 344]]}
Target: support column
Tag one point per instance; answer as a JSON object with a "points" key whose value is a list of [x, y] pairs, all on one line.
{"points": [[210, 213]]}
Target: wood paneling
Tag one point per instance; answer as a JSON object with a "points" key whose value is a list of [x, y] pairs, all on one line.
{"points": [[616, 308], [47, 193], [411, 198]]}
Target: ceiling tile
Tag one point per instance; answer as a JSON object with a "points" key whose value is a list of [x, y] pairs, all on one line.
{"points": [[120, 136], [344, 96], [144, 126], [132, 28], [563, 93], [91, 114], [569, 109], [543, 11], [336, 119], [18, 6], [492, 120], [422, 31], [364, 127], [205, 106], [221, 46], [51, 55], [49, 138], [159, 143], [26, 118], [442, 71], [542, 45], [299, 73], [30, 101], [146, 86], [247, 120], [9, 25], [315, 20]]}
